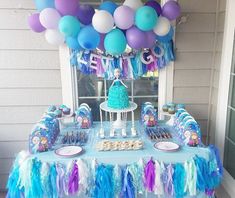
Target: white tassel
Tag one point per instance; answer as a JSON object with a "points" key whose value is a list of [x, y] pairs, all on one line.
{"points": [[93, 168], [191, 178], [22, 156], [158, 188], [25, 174], [45, 171], [69, 167], [83, 175]]}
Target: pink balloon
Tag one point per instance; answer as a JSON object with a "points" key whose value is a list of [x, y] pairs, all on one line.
{"points": [[67, 7], [124, 17], [50, 18], [150, 39], [35, 24]]}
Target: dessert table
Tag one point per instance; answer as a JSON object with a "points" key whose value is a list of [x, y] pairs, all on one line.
{"points": [[93, 160], [127, 157]]}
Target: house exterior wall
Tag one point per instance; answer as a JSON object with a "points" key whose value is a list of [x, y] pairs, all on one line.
{"points": [[198, 49], [29, 80], [216, 69]]}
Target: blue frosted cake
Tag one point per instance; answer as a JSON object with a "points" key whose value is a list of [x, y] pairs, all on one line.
{"points": [[118, 96]]}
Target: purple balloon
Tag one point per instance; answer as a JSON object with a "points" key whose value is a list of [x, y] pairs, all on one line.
{"points": [[34, 23], [150, 39], [171, 10], [101, 44], [124, 17], [136, 38], [85, 14], [67, 7], [156, 6]]}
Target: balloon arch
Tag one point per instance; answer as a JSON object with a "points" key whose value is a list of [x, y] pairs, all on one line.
{"points": [[111, 28]]}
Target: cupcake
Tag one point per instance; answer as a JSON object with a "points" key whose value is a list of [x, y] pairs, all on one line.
{"points": [[51, 108], [58, 113], [165, 108], [171, 110], [171, 105], [66, 111], [61, 107], [180, 106]]}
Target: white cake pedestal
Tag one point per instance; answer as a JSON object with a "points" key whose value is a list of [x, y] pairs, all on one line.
{"points": [[120, 122]]}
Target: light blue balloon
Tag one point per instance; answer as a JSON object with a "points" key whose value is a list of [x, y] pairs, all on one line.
{"points": [[89, 38], [42, 4], [115, 42], [69, 26], [146, 18], [167, 37], [108, 6], [72, 43]]}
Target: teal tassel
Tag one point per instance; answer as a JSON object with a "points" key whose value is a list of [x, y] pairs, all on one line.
{"points": [[202, 174], [36, 188], [179, 180], [12, 185], [45, 180], [104, 185], [117, 180], [137, 175], [53, 177]]}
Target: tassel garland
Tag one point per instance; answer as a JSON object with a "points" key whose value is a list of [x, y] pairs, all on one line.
{"points": [[32, 178]]}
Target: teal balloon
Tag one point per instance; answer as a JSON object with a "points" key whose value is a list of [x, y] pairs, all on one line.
{"points": [[69, 26], [72, 43], [146, 18], [42, 4], [89, 38], [115, 42]]}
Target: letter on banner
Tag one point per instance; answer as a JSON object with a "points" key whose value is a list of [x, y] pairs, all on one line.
{"points": [[79, 56], [93, 61], [149, 58], [160, 54], [108, 59]]}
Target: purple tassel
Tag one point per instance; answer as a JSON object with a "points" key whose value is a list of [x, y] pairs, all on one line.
{"points": [[210, 193], [153, 65], [60, 180], [149, 175], [125, 68], [73, 180], [100, 70]]}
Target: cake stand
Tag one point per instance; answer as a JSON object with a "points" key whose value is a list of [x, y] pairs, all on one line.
{"points": [[120, 122]]}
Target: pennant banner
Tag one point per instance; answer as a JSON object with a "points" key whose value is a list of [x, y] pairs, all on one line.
{"points": [[145, 63]]}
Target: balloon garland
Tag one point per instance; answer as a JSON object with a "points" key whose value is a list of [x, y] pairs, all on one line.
{"points": [[112, 29]]}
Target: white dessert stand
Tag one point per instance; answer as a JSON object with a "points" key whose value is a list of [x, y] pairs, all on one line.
{"points": [[121, 121]]}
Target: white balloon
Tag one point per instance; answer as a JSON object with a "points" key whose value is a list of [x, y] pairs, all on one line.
{"points": [[50, 18], [163, 26], [134, 4], [103, 21], [54, 37]]}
